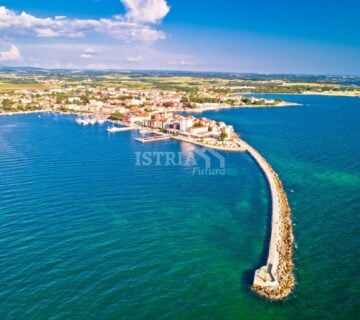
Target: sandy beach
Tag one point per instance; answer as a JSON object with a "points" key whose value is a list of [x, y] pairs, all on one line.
{"points": [[333, 93]]}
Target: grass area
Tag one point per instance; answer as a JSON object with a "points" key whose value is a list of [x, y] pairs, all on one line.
{"points": [[194, 84], [22, 86]]}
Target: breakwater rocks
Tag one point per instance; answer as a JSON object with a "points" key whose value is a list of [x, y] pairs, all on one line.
{"points": [[275, 280]]}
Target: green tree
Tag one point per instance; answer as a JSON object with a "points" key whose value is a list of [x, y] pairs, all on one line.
{"points": [[223, 136], [116, 116], [6, 104], [197, 125]]}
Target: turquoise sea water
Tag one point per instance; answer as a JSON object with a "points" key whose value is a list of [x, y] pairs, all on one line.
{"points": [[85, 233]]}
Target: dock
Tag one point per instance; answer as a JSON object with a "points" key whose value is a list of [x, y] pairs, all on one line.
{"points": [[275, 280], [117, 129], [153, 138]]}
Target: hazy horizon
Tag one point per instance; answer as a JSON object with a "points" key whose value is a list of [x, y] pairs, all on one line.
{"points": [[127, 70]]}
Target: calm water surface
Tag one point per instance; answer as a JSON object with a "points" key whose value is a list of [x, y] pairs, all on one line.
{"points": [[85, 233]]}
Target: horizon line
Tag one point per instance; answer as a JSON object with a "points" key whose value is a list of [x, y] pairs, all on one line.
{"points": [[183, 71]]}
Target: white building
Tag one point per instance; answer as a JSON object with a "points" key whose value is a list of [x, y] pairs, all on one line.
{"points": [[186, 123], [134, 119], [96, 103], [74, 107], [228, 130], [135, 102], [74, 99], [199, 130]]}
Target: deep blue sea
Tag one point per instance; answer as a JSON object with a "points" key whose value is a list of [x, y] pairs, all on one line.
{"points": [[88, 232]]}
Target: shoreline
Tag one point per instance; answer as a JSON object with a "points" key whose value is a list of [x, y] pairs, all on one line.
{"points": [[308, 93], [280, 105], [79, 114], [200, 110], [220, 148], [329, 94], [24, 112]]}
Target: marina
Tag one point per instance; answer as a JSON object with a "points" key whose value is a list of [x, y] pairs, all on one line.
{"points": [[90, 121]]}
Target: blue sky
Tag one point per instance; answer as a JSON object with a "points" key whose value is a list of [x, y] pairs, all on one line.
{"points": [[277, 36]]}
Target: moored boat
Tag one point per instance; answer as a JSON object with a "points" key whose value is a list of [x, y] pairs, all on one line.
{"points": [[114, 129]]}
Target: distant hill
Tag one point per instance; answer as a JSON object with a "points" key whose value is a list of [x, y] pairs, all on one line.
{"points": [[335, 79]]}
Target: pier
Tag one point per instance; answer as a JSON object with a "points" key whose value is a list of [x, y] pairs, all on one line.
{"points": [[117, 129], [153, 138], [275, 280]]}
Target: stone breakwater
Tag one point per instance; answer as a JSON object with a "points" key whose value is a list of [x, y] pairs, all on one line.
{"points": [[275, 280]]}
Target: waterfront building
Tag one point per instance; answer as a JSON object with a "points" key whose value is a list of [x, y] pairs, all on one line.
{"points": [[186, 123]]}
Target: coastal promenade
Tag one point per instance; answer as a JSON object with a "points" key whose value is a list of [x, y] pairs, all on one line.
{"points": [[275, 280], [219, 107], [237, 148]]}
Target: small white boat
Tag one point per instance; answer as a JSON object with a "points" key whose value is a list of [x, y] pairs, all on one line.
{"points": [[119, 129], [114, 129], [88, 121], [82, 122]]}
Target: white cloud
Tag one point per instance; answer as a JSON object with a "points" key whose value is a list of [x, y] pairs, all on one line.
{"points": [[146, 11], [106, 56], [46, 33], [137, 58], [181, 62], [86, 56], [13, 54], [89, 53], [127, 28], [89, 50]]}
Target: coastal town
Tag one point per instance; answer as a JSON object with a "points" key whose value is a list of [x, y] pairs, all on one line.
{"points": [[164, 159], [164, 113]]}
